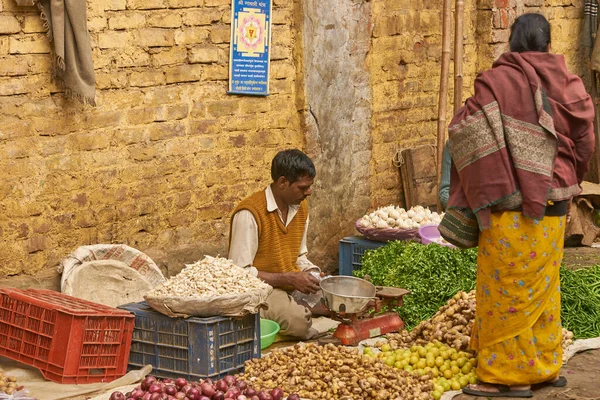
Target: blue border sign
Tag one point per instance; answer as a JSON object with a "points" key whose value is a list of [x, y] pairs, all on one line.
{"points": [[249, 59]]}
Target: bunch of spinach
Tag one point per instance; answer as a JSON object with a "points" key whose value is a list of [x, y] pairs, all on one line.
{"points": [[432, 273]]}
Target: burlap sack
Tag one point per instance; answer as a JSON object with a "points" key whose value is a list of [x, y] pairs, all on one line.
{"points": [[109, 274], [233, 305]]}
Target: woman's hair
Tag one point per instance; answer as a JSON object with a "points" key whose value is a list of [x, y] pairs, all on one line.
{"points": [[530, 32], [293, 164]]}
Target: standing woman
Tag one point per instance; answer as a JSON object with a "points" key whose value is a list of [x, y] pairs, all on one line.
{"points": [[520, 148]]}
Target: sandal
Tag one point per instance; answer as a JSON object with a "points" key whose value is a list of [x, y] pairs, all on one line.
{"points": [[503, 391], [560, 382]]}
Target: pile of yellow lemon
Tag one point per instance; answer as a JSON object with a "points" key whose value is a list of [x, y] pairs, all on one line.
{"points": [[448, 368]]}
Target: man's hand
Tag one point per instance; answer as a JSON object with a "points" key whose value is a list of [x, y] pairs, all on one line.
{"points": [[304, 282]]}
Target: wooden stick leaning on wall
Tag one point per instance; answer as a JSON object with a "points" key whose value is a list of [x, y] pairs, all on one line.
{"points": [[459, 16], [443, 98]]}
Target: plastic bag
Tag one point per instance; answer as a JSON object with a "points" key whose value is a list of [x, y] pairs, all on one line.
{"points": [[19, 395], [310, 300]]}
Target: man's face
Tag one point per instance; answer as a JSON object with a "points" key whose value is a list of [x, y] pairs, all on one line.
{"points": [[296, 192]]}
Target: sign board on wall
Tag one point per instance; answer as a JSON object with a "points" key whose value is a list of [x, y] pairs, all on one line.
{"points": [[250, 46]]}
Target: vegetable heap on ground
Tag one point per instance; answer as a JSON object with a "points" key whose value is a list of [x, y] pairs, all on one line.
{"points": [[446, 367], [580, 301], [432, 273], [333, 372], [8, 384], [180, 389], [399, 218], [212, 276]]}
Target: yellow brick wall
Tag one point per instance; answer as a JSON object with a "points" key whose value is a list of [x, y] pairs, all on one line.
{"points": [[405, 69], [165, 155]]}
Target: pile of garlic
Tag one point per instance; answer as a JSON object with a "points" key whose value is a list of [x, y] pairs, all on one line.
{"points": [[399, 218], [212, 276]]}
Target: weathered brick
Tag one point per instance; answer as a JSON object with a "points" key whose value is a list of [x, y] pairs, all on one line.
{"points": [[13, 66], [223, 107], [185, 3], [114, 40], [184, 73], [146, 4], [88, 141], [135, 58], [220, 34], [127, 20], [111, 80], [165, 130], [202, 16], [164, 20], [47, 146], [103, 119], [204, 127], [96, 24], [9, 24], [138, 116], [152, 37], [32, 24], [281, 52], [204, 54], [32, 43], [130, 134], [19, 85], [500, 19], [500, 35], [4, 45], [169, 55], [147, 78], [281, 70], [191, 35], [171, 112], [253, 105], [142, 153], [216, 3], [115, 5], [281, 16], [214, 72]]}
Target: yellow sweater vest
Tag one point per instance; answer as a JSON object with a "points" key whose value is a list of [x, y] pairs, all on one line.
{"points": [[278, 245]]}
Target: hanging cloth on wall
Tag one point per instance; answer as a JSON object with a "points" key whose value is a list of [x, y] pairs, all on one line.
{"points": [[588, 37], [66, 22]]}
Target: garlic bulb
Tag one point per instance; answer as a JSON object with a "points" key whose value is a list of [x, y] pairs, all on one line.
{"points": [[399, 218]]}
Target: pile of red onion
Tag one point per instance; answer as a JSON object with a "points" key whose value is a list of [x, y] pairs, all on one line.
{"points": [[180, 389]]}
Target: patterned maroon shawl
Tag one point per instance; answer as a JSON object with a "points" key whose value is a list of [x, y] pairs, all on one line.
{"points": [[504, 141]]}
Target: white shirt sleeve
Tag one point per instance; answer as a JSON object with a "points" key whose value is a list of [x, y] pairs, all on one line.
{"points": [[244, 240], [302, 261]]}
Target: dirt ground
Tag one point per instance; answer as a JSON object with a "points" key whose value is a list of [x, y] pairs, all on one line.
{"points": [[582, 373]]}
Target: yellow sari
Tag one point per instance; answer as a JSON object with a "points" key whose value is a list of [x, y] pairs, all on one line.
{"points": [[517, 332]]}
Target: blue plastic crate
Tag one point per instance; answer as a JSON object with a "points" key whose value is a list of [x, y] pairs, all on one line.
{"points": [[352, 249], [192, 348]]}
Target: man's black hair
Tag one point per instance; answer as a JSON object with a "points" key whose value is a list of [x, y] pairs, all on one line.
{"points": [[293, 164], [530, 32]]}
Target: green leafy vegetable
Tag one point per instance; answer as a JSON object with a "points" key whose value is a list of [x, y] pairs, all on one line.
{"points": [[580, 301], [432, 273]]}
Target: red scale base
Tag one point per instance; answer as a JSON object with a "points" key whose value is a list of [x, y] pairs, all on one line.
{"points": [[367, 324], [350, 334]]}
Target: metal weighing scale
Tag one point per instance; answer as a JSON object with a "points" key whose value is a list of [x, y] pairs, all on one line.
{"points": [[357, 304]]}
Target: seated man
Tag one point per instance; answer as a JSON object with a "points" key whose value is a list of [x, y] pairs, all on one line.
{"points": [[268, 236]]}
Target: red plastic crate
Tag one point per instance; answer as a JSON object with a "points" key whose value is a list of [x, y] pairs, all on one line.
{"points": [[68, 339]]}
